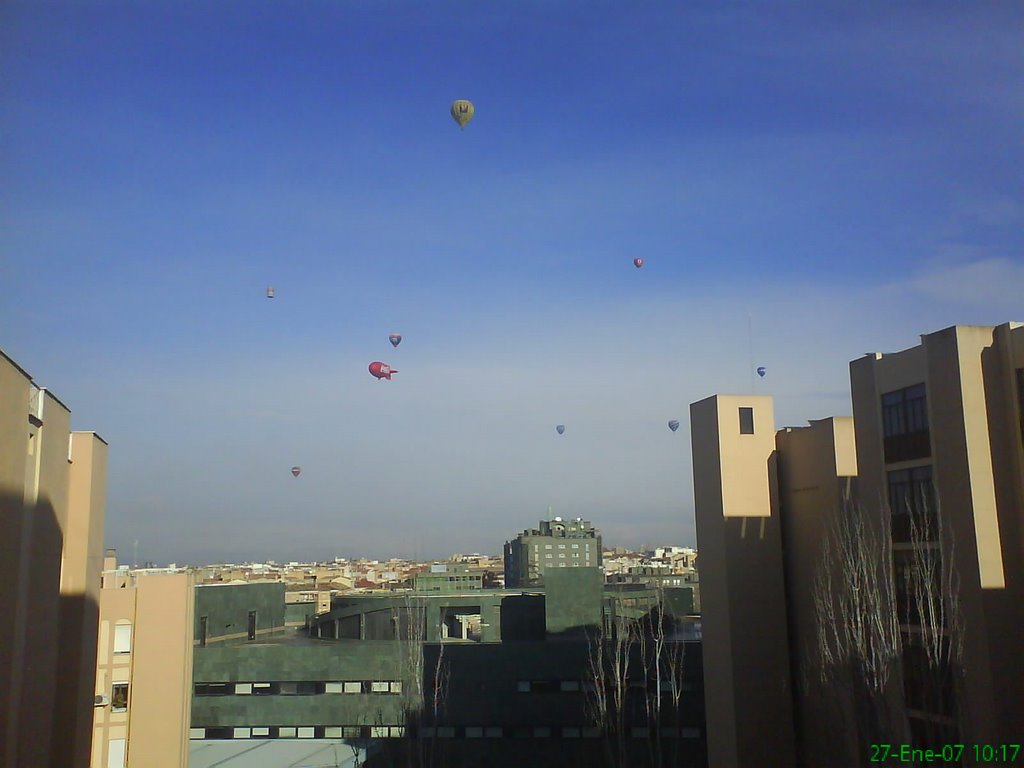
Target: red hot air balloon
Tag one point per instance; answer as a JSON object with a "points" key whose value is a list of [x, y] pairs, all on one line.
{"points": [[638, 262], [381, 370], [296, 471]]}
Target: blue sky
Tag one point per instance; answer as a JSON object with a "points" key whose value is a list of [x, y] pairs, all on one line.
{"points": [[839, 179]]}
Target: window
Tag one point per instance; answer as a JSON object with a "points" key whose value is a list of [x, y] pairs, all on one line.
{"points": [[252, 625], [379, 687], [203, 622], [119, 697], [523, 686], [240, 733], [334, 688], [264, 732], [213, 689], [905, 424], [116, 751], [396, 687], [243, 689], [123, 638], [912, 497], [746, 421], [474, 732], [306, 732], [570, 685], [353, 687], [197, 733]]}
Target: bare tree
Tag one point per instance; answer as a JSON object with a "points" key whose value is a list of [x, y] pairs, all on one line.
{"points": [[890, 629], [610, 651], [933, 624], [635, 669], [420, 695], [859, 646]]}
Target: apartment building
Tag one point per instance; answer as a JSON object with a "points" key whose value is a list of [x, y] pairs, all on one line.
{"points": [[556, 543], [143, 668], [931, 466], [52, 496], [940, 441]]}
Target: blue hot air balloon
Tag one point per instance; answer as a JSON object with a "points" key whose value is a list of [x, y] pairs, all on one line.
{"points": [[761, 371], [395, 339], [560, 429], [673, 425]]}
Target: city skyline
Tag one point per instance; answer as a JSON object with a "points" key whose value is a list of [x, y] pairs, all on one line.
{"points": [[804, 185]]}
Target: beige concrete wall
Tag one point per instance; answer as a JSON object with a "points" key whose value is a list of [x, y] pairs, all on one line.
{"points": [[976, 454], [15, 542], [38, 613], [817, 466], [79, 589], [745, 493], [746, 663], [46, 534], [158, 669]]}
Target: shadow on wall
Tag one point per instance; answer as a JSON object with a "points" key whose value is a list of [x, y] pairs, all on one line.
{"points": [[41, 648]]}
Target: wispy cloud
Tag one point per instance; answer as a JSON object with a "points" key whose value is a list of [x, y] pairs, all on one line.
{"points": [[993, 283]]}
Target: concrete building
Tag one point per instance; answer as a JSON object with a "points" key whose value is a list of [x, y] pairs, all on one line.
{"points": [[939, 433], [746, 650], [448, 577], [555, 544], [382, 674], [52, 496], [933, 462], [143, 668]]}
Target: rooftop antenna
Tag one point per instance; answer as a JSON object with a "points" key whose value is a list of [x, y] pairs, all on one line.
{"points": [[135, 554], [750, 349]]}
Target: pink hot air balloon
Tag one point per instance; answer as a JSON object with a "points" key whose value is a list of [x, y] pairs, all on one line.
{"points": [[296, 471], [638, 262], [381, 370]]}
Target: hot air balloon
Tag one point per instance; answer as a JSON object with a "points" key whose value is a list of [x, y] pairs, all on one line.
{"points": [[761, 371], [638, 262], [560, 429], [381, 370], [270, 291], [673, 425], [296, 471], [462, 111], [395, 339]]}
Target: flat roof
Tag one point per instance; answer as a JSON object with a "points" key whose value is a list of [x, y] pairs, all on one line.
{"points": [[271, 753]]}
